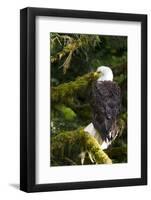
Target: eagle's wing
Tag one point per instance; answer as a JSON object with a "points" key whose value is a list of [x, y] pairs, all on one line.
{"points": [[105, 102]]}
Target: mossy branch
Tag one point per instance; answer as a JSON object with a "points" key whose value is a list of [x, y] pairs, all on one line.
{"points": [[65, 93], [71, 45], [71, 147]]}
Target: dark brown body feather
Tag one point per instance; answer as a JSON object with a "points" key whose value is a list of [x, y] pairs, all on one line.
{"points": [[105, 101]]}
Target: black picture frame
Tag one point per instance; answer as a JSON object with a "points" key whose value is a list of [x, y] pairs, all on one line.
{"points": [[28, 98]]}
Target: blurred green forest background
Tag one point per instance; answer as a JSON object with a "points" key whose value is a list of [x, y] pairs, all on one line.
{"points": [[74, 55]]}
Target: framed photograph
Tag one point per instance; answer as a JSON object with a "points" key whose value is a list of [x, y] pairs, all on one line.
{"points": [[83, 99]]}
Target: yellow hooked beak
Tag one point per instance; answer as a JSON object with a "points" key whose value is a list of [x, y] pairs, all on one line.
{"points": [[97, 73]]}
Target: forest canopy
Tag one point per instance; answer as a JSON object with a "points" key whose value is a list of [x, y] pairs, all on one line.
{"points": [[73, 59]]}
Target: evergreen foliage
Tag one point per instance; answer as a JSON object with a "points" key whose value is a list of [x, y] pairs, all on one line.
{"points": [[74, 59]]}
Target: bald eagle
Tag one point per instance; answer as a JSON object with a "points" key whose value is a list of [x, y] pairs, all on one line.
{"points": [[105, 101]]}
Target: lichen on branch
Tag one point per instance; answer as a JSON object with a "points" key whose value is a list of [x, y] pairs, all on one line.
{"points": [[65, 93], [68, 148]]}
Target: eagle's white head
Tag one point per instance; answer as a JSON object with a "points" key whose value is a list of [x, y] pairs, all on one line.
{"points": [[106, 73]]}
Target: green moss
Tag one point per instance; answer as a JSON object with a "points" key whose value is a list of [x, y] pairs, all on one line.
{"points": [[67, 112], [65, 93], [67, 148]]}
